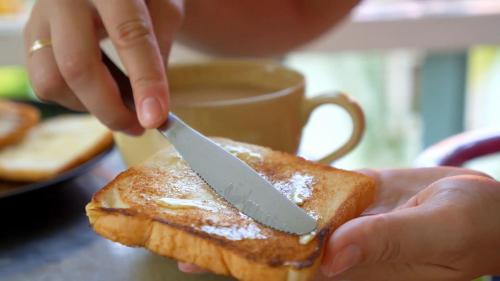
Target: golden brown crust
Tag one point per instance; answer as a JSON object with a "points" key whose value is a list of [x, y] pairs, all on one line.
{"points": [[25, 116], [175, 242], [138, 223]]}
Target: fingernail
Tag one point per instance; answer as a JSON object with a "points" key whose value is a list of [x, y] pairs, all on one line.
{"points": [[151, 112], [345, 259]]}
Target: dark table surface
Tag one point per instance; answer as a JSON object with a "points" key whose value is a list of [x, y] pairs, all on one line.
{"points": [[45, 235]]}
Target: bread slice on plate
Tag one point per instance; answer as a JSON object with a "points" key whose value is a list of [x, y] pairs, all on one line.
{"points": [[164, 206], [54, 146], [15, 121]]}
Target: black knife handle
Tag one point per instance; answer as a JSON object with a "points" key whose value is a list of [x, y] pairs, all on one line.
{"points": [[122, 81]]}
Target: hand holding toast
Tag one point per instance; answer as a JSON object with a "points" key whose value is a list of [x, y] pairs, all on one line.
{"points": [[427, 224]]}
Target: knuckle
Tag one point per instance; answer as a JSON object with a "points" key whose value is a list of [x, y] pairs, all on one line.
{"points": [[390, 249], [132, 31], [74, 67], [145, 80], [48, 84], [449, 187]]}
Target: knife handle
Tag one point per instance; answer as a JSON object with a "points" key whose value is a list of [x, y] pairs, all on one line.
{"points": [[122, 81]]}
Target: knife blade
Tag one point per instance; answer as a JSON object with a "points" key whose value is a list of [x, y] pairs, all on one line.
{"points": [[225, 173], [235, 181]]}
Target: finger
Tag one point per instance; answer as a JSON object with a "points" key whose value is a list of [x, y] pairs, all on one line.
{"points": [[412, 202], [457, 179], [46, 80], [395, 236], [129, 26], [397, 186], [166, 16], [425, 176], [77, 54], [456, 171], [190, 268]]}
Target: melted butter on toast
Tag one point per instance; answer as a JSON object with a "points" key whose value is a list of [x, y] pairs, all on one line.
{"points": [[235, 232], [306, 238], [179, 191], [114, 200], [297, 187], [244, 153], [179, 203]]}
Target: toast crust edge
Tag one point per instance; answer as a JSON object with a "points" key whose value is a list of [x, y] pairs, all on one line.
{"points": [[29, 115], [174, 242]]}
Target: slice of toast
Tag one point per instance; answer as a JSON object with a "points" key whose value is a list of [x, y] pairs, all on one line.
{"points": [[54, 146], [164, 206], [15, 121]]}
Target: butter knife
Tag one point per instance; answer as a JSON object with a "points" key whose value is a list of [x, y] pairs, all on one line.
{"points": [[226, 174]]}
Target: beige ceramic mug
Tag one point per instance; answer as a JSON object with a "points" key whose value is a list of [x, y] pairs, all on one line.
{"points": [[251, 101]]}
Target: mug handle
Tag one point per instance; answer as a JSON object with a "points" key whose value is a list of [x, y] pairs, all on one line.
{"points": [[349, 105]]}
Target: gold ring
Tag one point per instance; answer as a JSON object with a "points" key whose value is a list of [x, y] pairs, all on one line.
{"points": [[39, 44]]}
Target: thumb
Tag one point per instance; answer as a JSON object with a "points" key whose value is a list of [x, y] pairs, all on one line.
{"points": [[395, 236]]}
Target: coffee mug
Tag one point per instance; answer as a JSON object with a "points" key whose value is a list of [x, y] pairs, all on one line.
{"points": [[250, 101]]}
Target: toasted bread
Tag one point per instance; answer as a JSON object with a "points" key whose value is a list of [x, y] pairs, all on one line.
{"points": [[54, 146], [15, 121], [164, 206]]}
